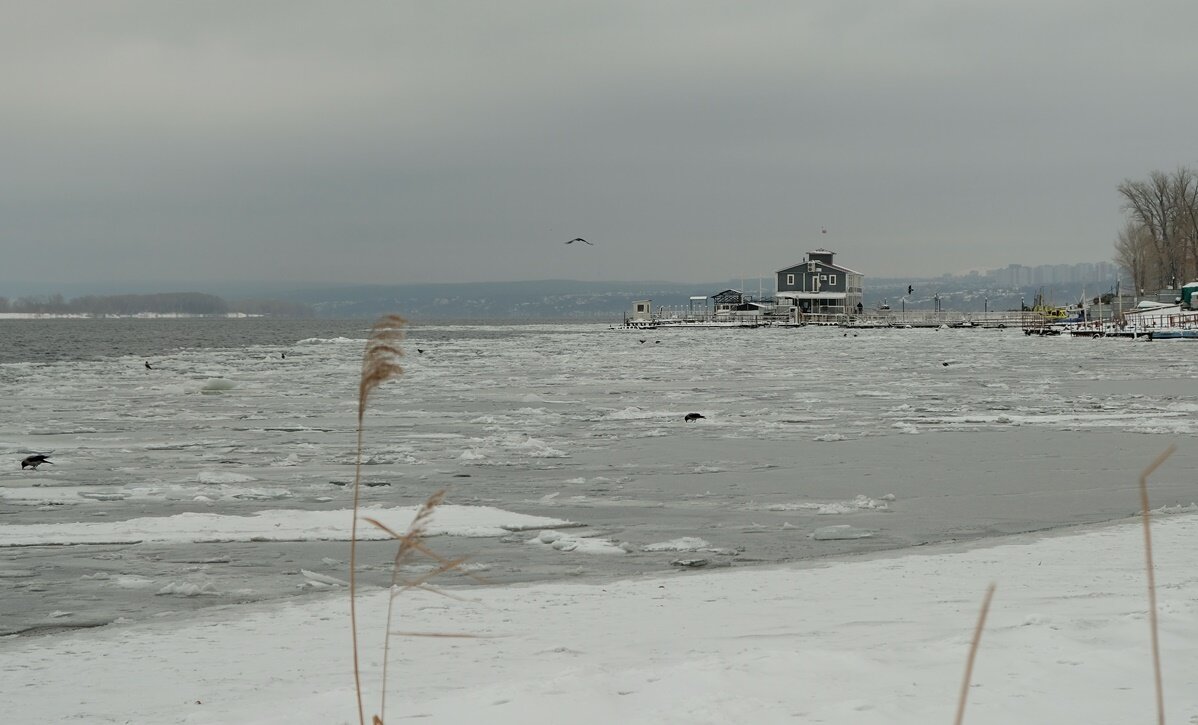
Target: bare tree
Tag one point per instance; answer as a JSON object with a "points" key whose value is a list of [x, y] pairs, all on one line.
{"points": [[1134, 252], [1150, 204], [1185, 203]]}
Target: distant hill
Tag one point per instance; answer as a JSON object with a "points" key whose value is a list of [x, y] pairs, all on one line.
{"points": [[533, 300]]}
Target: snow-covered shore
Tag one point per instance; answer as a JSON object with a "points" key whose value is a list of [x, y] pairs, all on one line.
{"points": [[865, 640]]}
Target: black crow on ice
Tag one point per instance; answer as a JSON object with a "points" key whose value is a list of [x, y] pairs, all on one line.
{"points": [[692, 417], [35, 460]]}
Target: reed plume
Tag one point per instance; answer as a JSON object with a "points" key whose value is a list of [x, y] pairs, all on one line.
{"points": [[379, 364]]}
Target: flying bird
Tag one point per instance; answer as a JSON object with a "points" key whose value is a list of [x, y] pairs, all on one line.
{"points": [[35, 460], [692, 417], [823, 230], [579, 239]]}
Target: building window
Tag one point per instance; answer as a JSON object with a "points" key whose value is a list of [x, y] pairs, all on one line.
{"points": [[640, 308], [832, 279], [811, 267], [790, 279]]}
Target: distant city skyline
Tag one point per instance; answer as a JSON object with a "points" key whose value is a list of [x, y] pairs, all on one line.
{"points": [[1021, 275]]}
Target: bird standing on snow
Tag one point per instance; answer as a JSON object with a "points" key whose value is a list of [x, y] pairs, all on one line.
{"points": [[579, 239], [34, 461], [148, 365], [692, 417]]}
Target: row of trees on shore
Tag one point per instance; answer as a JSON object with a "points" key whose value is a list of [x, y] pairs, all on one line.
{"points": [[168, 303], [1158, 244]]}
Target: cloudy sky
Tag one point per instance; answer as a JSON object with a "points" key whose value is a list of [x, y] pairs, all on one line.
{"points": [[397, 142]]}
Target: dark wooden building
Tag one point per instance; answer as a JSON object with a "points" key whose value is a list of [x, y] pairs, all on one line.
{"points": [[819, 286]]}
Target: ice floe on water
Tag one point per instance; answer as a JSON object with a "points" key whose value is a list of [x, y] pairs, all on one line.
{"points": [[222, 477], [688, 543], [195, 587], [506, 449], [1177, 509], [685, 543], [275, 525], [580, 544], [828, 437], [840, 532], [858, 503], [63, 495], [316, 580], [329, 341], [216, 386]]}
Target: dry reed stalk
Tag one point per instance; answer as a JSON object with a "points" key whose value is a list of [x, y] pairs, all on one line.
{"points": [[1156, 647], [973, 651], [412, 543], [408, 542], [378, 366]]}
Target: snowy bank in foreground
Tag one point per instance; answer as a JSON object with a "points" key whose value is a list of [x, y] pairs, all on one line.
{"points": [[879, 640]]}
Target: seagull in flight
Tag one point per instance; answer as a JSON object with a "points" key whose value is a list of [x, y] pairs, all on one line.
{"points": [[579, 239]]}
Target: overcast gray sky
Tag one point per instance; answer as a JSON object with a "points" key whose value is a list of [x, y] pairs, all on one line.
{"points": [[394, 142]]}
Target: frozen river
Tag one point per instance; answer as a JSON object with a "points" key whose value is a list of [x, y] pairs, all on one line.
{"points": [[816, 443]]}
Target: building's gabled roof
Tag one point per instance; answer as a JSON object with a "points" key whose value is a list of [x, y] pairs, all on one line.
{"points": [[826, 264], [728, 295]]}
